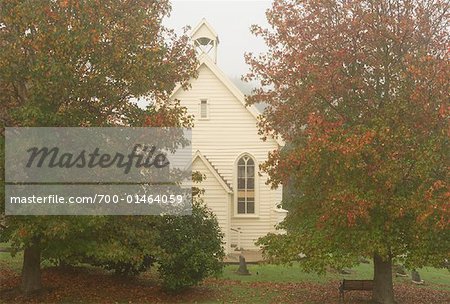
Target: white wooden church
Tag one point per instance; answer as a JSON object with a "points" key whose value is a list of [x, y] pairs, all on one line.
{"points": [[228, 150]]}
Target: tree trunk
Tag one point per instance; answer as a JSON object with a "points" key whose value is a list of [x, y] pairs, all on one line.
{"points": [[31, 270], [383, 291]]}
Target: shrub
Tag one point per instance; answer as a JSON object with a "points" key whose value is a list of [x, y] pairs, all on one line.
{"points": [[191, 248]]}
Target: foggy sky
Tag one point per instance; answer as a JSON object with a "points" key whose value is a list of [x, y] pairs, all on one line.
{"points": [[231, 20]]}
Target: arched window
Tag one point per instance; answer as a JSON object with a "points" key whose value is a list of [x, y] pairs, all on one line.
{"points": [[246, 185]]}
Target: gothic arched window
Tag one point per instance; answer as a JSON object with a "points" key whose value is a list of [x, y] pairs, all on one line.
{"points": [[246, 185]]}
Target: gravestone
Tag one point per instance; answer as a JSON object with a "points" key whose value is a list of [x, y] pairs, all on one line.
{"points": [[363, 260], [400, 271], [242, 270], [415, 276], [345, 271]]}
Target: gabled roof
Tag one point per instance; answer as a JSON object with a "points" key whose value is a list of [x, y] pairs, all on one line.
{"points": [[205, 60], [213, 171], [205, 23]]}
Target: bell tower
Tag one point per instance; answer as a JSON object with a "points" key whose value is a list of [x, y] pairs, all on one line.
{"points": [[205, 40]]}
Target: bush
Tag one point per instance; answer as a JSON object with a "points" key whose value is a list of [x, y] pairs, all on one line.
{"points": [[191, 248], [127, 268], [185, 249]]}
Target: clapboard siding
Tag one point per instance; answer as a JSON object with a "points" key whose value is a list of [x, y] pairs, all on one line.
{"points": [[215, 197], [229, 131]]}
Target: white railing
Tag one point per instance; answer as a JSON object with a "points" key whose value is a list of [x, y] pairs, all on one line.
{"points": [[239, 232]]}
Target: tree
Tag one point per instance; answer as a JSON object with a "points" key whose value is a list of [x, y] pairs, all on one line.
{"points": [[78, 63], [359, 91], [185, 249]]}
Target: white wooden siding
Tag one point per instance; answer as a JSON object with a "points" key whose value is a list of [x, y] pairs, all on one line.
{"points": [[215, 197], [229, 131]]}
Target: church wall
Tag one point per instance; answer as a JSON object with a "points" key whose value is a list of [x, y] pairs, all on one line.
{"points": [[214, 196], [229, 131]]}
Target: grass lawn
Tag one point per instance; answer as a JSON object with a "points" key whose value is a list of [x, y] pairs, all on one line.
{"points": [[13, 262], [433, 277], [266, 284]]}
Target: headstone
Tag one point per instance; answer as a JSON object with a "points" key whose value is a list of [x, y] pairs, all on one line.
{"points": [[364, 260], [242, 266], [400, 271], [345, 271], [446, 264], [415, 276]]}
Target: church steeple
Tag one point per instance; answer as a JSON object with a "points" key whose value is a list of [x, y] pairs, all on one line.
{"points": [[205, 40]]}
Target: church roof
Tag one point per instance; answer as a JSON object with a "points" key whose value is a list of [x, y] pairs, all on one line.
{"points": [[206, 26], [225, 185], [205, 60]]}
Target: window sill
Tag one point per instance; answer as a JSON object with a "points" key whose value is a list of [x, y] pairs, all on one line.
{"points": [[254, 216]]}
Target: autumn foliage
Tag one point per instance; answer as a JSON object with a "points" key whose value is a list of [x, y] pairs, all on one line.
{"points": [[359, 91], [78, 63], [83, 64]]}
